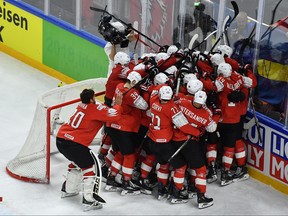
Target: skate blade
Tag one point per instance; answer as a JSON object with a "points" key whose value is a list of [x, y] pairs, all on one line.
{"points": [[112, 188], [130, 193], [178, 201], [205, 205], [245, 177], [144, 191], [65, 194], [224, 183], [163, 197], [94, 206], [211, 180], [192, 195]]}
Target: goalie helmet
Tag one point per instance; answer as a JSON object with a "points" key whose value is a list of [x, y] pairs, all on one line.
{"points": [[121, 58], [165, 93], [225, 50], [160, 78], [217, 58], [171, 50], [200, 97], [119, 26], [188, 77], [134, 76], [171, 70], [194, 86], [160, 57], [224, 69]]}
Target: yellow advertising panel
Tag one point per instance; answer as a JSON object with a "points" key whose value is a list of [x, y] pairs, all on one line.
{"points": [[21, 31]]}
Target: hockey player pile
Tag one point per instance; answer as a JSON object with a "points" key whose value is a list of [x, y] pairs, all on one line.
{"points": [[176, 98], [181, 124]]}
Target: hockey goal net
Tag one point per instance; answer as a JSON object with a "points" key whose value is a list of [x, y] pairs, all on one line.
{"points": [[54, 107]]}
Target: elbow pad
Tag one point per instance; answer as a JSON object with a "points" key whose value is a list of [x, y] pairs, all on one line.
{"points": [[179, 120]]}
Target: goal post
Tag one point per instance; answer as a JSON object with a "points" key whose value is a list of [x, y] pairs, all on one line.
{"points": [[32, 163]]}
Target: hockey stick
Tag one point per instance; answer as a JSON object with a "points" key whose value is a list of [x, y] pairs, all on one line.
{"points": [[236, 12], [256, 121], [180, 148], [135, 25], [225, 36], [205, 39], [128, 25]]}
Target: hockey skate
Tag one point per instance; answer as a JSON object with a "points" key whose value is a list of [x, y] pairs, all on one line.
{"points": [[105, 172], [64, 193], [144, 185], [101, 158], [204, 202], [162, 191], [129, 188], [240, 174], [87, 205], [226, 178], [212, 174], [112, 185], [192, 191], [178, 196]]}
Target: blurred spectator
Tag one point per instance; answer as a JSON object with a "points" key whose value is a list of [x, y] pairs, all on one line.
{"points": [[241, 28], [272, 80], [204, 21]]}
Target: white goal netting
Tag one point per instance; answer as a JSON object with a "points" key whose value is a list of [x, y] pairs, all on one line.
{"points": [[53, 108]]}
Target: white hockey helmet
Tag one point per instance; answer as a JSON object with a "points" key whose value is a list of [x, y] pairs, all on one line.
{"points": [[224, 69], [200, 97], [121, 58], [118, 25], [187, 77], [171, 50], [171, 70], [194, 86], [217, 58], [160, 78], [139, 67], [225, 50], [134, 76], [161, 57], [165, 93]]}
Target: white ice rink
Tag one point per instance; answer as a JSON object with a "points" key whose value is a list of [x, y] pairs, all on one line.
{"points": [[20, 87]]}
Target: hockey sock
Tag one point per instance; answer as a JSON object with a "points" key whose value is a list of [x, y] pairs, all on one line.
{"points": [[109, 157], [128, 166], [163, 174], [179, 176], [88, 172], [240, 153], [192, 175], [116, 163], [227, 157], [200, 181], [106, 144], [211, 152], [147, 165]]}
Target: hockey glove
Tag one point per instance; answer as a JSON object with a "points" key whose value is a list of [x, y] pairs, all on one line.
{"points": [[236, 96]]}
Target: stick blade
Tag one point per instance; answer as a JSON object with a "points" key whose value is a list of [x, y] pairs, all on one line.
{"points": [[192, 41], [97, 9], [235, 8]]}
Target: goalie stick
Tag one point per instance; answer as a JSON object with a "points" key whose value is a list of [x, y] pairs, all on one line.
{"points": [[236, 12], [98, 176], [126, 24]]}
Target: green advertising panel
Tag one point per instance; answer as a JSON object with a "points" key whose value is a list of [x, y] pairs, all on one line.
{"points": [[72, 55]]}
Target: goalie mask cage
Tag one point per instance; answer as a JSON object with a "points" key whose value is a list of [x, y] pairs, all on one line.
{"points": [[32, 163]]}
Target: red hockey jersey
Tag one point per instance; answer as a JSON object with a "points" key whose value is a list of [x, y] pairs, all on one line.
{"points": [[86, 121]]}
